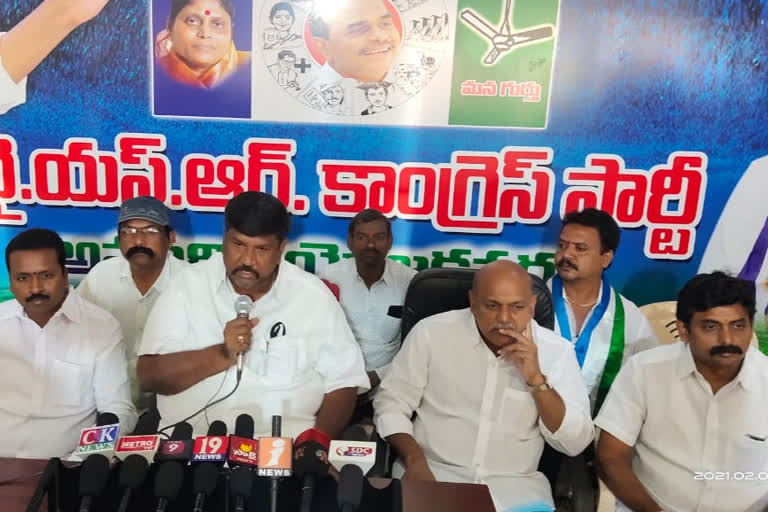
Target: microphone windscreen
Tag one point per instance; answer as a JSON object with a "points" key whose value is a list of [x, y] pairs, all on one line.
{"points": [[205, 478], [217, 428], [182, 431], [106, 418], [244, 426], [94, 474], [243, 305], [350, 490], [355, 433], [170, 476], [148, 423], [133, 472], [310, 457], [241, 482]]}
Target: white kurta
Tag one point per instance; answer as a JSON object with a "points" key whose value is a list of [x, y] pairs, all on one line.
{"points": [[11, 93], [476, 420]]}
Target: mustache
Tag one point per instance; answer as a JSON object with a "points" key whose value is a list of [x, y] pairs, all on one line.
{"points": [[725, 349], [36, 296], [566, 263], [139, 249], [246, 268]]}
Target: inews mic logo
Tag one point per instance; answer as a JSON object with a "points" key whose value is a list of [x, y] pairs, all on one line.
{"points": [[275, 456], [244, 451], [97, 438], [354, 451]]}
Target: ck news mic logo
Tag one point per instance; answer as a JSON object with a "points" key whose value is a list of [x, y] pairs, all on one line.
{"points": [[275, 456], [97, 439]]}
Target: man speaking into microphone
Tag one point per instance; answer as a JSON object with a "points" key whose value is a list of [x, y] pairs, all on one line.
{"points": [[299, 357]]}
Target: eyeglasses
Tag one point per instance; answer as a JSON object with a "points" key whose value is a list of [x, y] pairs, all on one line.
{"points": [[133, 231], [362, 237]]}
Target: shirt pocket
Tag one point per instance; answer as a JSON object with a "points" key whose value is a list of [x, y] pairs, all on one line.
{"points": [[750, 456], [518, 417], [281, 363], [68, 384]]}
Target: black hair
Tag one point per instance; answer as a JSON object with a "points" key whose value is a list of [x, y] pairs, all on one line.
{"points": [[605, 225], [257, 214], [366, 216], [706, 291], [178, 5], [281, 6], [34, 239], [285, 53]]}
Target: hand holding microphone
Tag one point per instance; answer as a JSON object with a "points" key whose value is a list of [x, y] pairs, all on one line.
{"points": [[238, 332]]}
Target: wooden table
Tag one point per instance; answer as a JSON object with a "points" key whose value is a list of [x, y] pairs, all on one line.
{"points": [[417, 496]]}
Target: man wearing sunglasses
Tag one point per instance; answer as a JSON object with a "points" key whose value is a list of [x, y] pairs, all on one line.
{"points": [[128, 287]]}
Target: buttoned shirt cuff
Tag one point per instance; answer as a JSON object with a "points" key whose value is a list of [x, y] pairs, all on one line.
{"points": [[393, 423], [11, 93], [575, 433]]}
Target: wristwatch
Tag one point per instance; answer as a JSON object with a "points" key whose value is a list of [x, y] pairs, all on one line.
{"points": [[544, 386]]}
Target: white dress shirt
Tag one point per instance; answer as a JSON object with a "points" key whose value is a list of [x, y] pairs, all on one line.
{"points": [[287, 375], [476, 420], [110, 285], [11, 93], [662, 406], [366, 308], [54, 379], [638, 336]]}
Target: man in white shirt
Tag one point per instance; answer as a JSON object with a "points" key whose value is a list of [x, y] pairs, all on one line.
{"points": [[604, 327], [28, 43], [684, 427], [369, 283], [128, 287], [300, 359], [490, 387], [62, 357]]}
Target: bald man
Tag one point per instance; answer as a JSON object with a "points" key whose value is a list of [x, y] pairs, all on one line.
{"points": [[490, 387]]}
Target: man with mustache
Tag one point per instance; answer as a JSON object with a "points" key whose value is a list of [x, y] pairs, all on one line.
{"points": [[369, 283], [490, 386], [128, 287], [684, 426], [604, 327], [300, 359], [62, 357]]}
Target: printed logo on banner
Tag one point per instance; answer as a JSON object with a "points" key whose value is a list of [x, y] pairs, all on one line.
{"points": [[503, 74]]}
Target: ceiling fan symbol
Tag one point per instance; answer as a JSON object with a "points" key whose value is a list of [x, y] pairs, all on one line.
{"points": [[503, 39]]}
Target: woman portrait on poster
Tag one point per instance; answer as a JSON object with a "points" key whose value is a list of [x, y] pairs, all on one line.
{"points": [[197, 47]]}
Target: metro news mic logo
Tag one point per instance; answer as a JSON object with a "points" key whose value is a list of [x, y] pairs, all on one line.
{"points": [[244, 451], [275, 456], [138, 443], [97, 439]]}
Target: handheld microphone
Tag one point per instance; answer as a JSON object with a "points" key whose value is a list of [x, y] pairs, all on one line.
{"points": [[275, 459], [212, 449], [243, 455], [101, 439], [174, 455], [144, 440], [353, 459], [137, 451], [310, 462], [94, 474], [243, 306]]}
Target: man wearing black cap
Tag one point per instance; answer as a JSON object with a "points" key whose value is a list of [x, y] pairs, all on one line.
{"points": [[128, 287]]}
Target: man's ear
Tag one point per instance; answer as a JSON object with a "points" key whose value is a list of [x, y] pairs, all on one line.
{"points": [[172, 237], [471, 296], [682, 330], [322, 46], [283, 244], [606, 258]]}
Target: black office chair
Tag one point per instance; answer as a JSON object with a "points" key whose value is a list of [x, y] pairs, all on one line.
{"points": [[437, 290]]}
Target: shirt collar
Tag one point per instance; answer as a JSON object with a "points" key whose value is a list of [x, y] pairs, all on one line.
{"points": [[70, 308], [747, 376], [225, 285], [160, 283], [386, 276]]}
